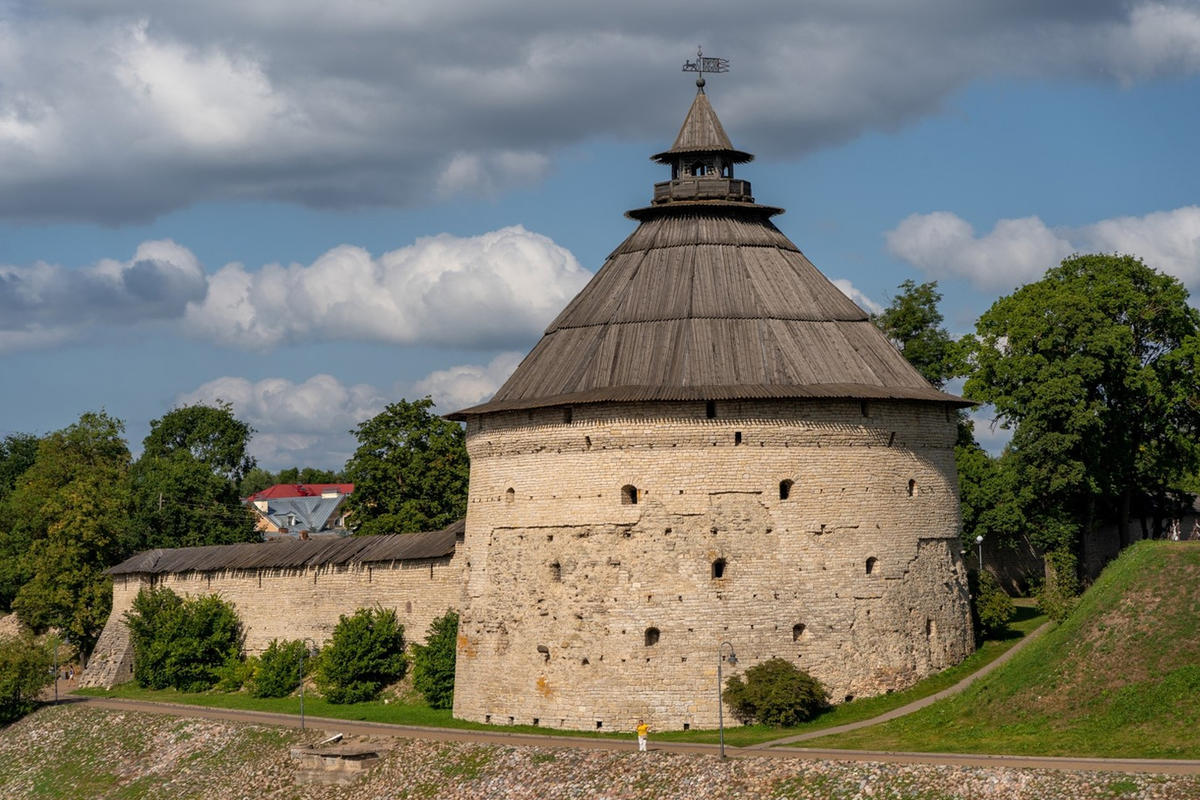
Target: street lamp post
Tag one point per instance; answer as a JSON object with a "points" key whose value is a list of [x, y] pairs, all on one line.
{"points": [[721, 689], [303, 655], [57, 643], [979, 541]]}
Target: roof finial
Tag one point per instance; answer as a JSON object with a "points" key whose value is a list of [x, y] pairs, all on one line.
{"points": [[703, 65]]}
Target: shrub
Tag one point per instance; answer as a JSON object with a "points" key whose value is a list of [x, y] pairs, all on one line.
{"points": [[365, 653], [433, 662], [1059, 592], [278, 671], [182, 643], [775, 692], [235, 673], [992, 608], [25, 669]]}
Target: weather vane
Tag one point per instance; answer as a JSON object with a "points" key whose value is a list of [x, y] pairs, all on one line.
{"points": [[703, 65]]}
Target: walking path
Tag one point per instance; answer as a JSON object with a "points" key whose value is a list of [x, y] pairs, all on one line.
{"points": [[916, 705]]}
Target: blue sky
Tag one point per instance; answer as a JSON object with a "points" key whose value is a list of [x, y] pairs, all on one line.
{"points": [[313, 215]]}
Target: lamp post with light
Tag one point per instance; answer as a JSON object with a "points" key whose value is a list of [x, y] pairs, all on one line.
{"points": [[721, 690], [979, 541], [304, 651]]}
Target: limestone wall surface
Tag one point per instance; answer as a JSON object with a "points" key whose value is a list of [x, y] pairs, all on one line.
{"points": [[292, 603], [587, 610]]}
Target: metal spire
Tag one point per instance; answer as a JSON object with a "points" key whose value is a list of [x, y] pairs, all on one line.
{"points": [[703, 65]]}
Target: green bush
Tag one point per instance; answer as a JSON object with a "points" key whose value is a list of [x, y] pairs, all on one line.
{"points": [[993, 608], [365, 653], [278, 671], [1059, 592], [182, 642], [433, 662], [235, 673], [775, 692], [26, 668]]}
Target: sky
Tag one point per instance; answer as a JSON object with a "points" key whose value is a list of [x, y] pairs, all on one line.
{"points": [[312, 209]]}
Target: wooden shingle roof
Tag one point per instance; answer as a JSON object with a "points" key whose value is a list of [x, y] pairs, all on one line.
{"points": [[294, 554], [702, 132], [708, 300]]}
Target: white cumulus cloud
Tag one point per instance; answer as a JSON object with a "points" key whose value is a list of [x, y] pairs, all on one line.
{"points": [[1016, 251], [308, 423], [494, 289], [854, 293]]}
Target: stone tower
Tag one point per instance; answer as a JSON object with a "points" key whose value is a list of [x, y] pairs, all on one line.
{"points": [[710, 444]]}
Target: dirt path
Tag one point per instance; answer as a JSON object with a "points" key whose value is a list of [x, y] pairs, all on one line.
{"points": [[1160, 766], [916, 705]]}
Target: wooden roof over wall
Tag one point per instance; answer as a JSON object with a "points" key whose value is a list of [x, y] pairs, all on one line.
{"points": [[294, 554]]}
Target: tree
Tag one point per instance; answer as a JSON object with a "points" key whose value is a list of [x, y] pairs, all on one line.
{"points": [[67, 517], [185, 485], [25, 669], [775, 692], [409, 471], [211, 435], [1097, 366], [277, 673], [182, 642], [17, 454], [913, 323], [365, 654], [433, 662]]}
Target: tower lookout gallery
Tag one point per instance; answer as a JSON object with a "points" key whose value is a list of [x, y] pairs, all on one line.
{"points": [[710, 443]]}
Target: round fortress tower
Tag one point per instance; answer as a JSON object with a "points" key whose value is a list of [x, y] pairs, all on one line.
{"points": [[710, 443]]}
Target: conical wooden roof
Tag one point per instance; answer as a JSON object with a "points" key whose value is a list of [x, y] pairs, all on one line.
{"points": [[708, 300], [702, 132]]}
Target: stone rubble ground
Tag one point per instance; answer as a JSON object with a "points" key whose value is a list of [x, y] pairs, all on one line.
{"points": [[79, 752]]}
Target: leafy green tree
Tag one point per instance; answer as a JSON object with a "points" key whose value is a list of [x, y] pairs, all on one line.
{"points": [[409, 471], [775, 692], [913, 323], [255, 480], [182, 642], [67, 517], [277, 673], [365, 654], [991, 607], [433, 662], [26, 668], [211, 435], [1097, 366], [185, 485], [18, 451]]}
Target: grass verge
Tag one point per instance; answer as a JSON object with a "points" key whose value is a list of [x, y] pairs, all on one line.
{"points": [[1119, 678]]}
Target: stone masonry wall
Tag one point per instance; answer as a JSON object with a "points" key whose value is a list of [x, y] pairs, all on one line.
{"points": [[291, 604], [585, 610]]}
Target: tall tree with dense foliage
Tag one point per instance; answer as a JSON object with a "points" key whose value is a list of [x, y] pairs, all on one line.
{"points": [[17, 454], [1097, 367], [18, 451], [409, 471], [68, 515], [913, 323], [185, 485], [433, 662]]}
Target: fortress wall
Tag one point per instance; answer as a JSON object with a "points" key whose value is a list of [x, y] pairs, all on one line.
{"points": [[291, 603], [561, 564]]}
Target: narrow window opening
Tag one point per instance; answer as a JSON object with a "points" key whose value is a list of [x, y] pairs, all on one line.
{"points": [[871, 564], [710, 409], [510, 495], [718, 569], [737, 437], [535, 719], [545, 651], [587, 442], [599, 724], [797, 631], [849, 697], [652, 636], [785, 488], [864, 408], [556, 572], [585, 662], [487, 718], [629, 495], [913, 491], [568, 415], [687, 726], [408, 606]]}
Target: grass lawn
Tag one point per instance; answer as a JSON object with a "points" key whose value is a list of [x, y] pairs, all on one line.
{"points": [[1119, 678], [736, 736]]}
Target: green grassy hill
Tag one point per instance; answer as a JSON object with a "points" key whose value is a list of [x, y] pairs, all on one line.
{"points": [[1121, 677]]}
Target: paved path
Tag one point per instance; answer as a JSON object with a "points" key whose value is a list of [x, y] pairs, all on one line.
{"points": [[1161, 766], [916, 705]]}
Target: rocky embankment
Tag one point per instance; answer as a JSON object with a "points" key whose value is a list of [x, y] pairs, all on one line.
{"points": [[77, 752]]}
